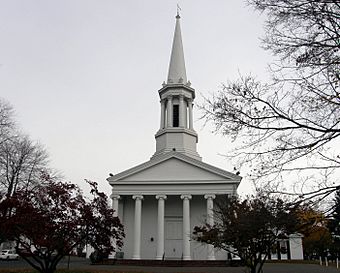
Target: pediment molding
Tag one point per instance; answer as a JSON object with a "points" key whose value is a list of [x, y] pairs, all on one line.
{"points": [[224, 175]]}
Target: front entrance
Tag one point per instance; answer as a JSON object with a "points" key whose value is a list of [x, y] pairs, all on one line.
{"points": [[173, 238]]}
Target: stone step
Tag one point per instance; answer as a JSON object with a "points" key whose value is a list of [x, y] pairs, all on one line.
{"points": [[173, 263]]}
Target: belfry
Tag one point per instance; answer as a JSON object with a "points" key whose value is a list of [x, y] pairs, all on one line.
{"points": [[161, 200]]}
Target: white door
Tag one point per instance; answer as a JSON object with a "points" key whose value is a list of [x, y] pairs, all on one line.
{"points": [[173, 238]]}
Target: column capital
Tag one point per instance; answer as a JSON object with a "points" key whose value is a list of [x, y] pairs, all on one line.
{"points": [[115, 196], [137, 197], [169, 97], [210, 196], [161, 196], [186, 196]]}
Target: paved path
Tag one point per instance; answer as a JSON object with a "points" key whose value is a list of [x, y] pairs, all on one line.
{"points": [[77, 263]]}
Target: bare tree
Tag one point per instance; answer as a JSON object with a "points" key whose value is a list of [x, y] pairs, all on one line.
{"points": [[22, 161], [6, 120], [292, 122]]}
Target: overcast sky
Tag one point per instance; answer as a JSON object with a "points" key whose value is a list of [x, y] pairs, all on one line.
{"points": [[83, 75]]}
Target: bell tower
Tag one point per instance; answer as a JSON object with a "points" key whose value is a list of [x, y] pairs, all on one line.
{"points": [[176, 132]]}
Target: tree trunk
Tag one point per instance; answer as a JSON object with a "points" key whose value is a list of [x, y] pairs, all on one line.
{"points": [[253, 269], [50, 269]]}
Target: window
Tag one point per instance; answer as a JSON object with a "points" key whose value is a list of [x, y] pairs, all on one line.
{"points": [[175, 116]]}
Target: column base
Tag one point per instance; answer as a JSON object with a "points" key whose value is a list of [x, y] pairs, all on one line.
{"points": [[159, 257], [135, 257], [186, 258], [211, 253], [112, 255]]}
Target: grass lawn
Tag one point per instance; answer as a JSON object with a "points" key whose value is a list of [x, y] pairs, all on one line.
{"points": [[64, 271]]}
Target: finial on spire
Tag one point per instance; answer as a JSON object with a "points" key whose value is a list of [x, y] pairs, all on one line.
{"points": [[178, 9]]}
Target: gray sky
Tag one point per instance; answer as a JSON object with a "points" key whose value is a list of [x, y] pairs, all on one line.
{"points": [[83, 75]]}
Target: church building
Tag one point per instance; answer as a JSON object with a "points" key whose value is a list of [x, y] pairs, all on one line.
{"points": [[160, 201]]}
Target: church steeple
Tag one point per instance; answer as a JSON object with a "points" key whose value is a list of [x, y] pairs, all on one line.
{"points": [[177, 72], [176, 133]]}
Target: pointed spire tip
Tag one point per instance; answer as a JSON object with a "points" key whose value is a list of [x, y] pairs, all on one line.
{"points": [[177, 72], [178, 9]]}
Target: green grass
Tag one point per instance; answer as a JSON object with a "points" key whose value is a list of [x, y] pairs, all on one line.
{"points": [[291, 262], [72, 271], [8, 270]]}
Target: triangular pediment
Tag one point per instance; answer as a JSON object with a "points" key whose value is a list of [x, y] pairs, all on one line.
{"points": [[174, 167]]}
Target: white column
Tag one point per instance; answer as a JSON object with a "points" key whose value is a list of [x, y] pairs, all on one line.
{"points": [[210, 220], [138, 224], [186, 124], [160, 227], [191, 126], [186, 226], [169, 111], [162, 114], [181, 111], [115, 203]]}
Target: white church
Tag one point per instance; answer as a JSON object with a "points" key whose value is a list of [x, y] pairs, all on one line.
{"points": [[160, 201]]}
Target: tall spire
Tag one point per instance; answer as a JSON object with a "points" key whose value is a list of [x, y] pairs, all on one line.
{"points": [[177, 73], [176, 132]]}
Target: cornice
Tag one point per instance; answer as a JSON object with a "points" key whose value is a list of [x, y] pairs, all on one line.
{"points": [[176, 130], [174, 87]]}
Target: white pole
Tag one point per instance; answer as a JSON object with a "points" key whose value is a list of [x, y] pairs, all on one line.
{"points": [[210, 220], [186, 226], [160, 227], [138, 225], [326, 261], [337, 262], [320, 260], [115, 203]]}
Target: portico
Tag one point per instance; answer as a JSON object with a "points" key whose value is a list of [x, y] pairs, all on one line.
{"points": [[160, 223]]}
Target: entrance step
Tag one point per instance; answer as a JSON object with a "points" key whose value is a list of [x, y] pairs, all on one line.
{"points": [[173, 263]]}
